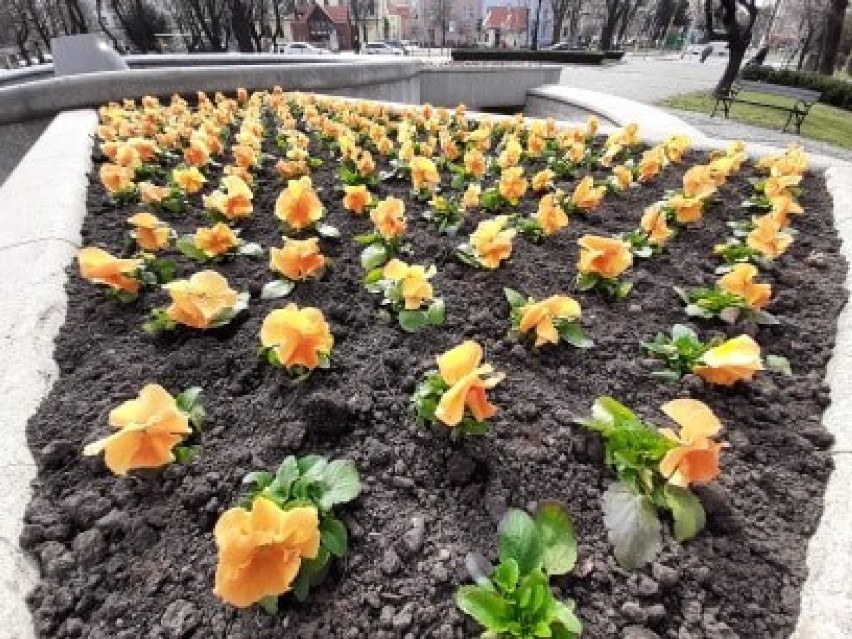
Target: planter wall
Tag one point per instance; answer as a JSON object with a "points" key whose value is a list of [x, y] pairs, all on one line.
{"points": [[483, 87], [527, 55]]}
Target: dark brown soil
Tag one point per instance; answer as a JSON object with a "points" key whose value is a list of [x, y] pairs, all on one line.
{"points": [[134, 557]]}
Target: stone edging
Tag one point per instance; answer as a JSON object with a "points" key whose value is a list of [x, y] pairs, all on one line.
{"points": [[44, 203], [49, 187]]}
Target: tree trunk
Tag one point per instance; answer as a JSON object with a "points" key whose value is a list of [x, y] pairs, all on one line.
{"points": [[610, 23], [806, 46], [736, 53], [99, 10], [831, 36], [241, 26]]}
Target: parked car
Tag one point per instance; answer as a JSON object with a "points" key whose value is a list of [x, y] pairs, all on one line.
{"points": [[381, 48], [719, 48], [296, 48], [403, 45]]}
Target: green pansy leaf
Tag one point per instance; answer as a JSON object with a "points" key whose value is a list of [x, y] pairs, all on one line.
{"points": [[287, 473], [187, 399], [276, 289], [573, 334], [251, 249], [334, 536], [437, 313], [269, 604], [514, 298], [342, 484], [311, 573], [520, 540], [485, 606], [779, 364], [687, 511], [557, 536], [413, 321], [326, 230], [261, 478], [373, 256], [186, 245], [611, 411], [632, 526], [506, 575]]}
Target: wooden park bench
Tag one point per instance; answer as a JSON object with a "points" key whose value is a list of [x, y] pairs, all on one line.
{"points": [[803, 100]]}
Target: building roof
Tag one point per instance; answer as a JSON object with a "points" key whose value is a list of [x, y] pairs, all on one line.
{"points": [[506, 18], [337, 15]]}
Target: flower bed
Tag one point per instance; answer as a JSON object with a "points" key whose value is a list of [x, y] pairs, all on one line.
{"points": [[567, 268]]}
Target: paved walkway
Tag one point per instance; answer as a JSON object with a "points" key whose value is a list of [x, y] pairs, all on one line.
{"points": [[650, 80]]}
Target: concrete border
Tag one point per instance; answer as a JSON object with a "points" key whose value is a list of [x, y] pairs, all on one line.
{"points": [[396, 80], [44, 203], [33, 306], [653, 122]]}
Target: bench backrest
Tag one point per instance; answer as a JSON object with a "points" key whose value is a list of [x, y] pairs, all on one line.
{"points": [[805, 95]]}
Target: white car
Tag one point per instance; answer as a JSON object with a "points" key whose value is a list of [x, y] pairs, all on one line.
{"points": [[381, 48], [300, 48]]}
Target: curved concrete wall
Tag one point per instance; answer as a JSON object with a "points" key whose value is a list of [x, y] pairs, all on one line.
{"points": [[482, 86], [152, 61], [384, 80]]}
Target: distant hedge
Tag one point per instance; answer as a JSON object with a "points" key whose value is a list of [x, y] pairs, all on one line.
{"points": [[527, 55], [834, 91]]}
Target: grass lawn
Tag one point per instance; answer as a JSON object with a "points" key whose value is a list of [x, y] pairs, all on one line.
{"points": [[824, 122]]}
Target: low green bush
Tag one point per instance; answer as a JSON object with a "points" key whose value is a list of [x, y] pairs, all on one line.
{"points": [[835, 91]]}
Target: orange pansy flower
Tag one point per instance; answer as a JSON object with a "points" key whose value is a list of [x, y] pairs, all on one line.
{"points": [[414, 278], [460, 369], [513, 184], [389, 218], [189, 179], [298, 205], [623, 176], [201, 300], [696, 457], [740, 281], [687, 209], [150, 233], [298, 259], [98, 266], [261, 550], [734, 360], [216, 240], [654, 223], [543, 180], [357, 198], [698, 182], [542, 315], [783, 206], [551, 217], [603, 256], [424, 174], [768, 238], [586, 195], [780, 185], [115, 178], [234, 202], [492, 242], [470, 199], [149, 427], [297, 336]]}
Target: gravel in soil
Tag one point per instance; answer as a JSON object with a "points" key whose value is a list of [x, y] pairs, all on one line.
{"points": [[134, 557]]}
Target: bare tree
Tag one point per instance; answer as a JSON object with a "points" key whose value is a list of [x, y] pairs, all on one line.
{"points": [[736, 33], [618, 15], [832, 34], [141, 21], [560, 11]]}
